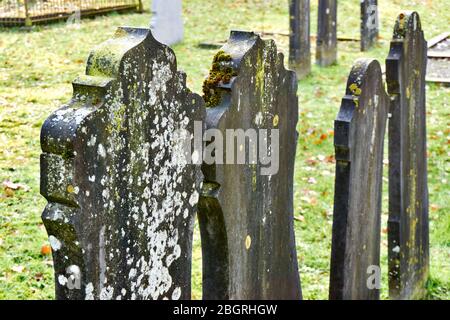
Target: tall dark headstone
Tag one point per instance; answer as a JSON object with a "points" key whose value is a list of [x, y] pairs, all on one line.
{"points": [[369, 23], [299, 38], [359, 136], [326, 49], [246, 210], [408, 191], [121, 197]]}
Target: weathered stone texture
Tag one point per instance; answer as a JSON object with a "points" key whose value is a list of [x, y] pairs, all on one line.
{"points": [[246, 217], [359, 137], [122, 198], [408, 190]]}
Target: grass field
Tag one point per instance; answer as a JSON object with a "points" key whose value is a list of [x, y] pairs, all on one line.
{"points": [[38, 65]]}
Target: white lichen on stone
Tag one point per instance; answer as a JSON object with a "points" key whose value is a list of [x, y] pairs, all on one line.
{"points": [[176, 293], [136, 187], [54, 243], [62, 280]]}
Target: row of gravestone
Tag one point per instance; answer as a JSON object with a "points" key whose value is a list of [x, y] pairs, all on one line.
{"points": [[326, 45], [123, 192], [122, 197], [365, 112]]}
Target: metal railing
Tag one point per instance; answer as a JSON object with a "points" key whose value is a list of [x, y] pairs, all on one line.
{"points": [[28, 12]]}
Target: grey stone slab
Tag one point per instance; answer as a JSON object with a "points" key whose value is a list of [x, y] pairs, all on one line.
{"points": [[246, 212], [359, 137], [121, 196], [408, 191]]}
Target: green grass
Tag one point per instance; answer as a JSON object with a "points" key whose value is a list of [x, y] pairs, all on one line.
{"points": [[38, 65]]}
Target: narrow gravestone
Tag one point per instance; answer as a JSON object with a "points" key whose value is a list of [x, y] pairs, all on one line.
{"points": [[246, 207], [167, 21], [408, 191], [121, 197], [359, 136], [299, 38], [369, 23], [326, 48]]}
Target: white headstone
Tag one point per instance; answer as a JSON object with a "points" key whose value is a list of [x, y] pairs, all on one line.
{"points": [[167, 21]]}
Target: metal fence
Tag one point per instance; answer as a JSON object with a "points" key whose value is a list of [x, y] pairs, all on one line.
{"points": [[28, 12]]}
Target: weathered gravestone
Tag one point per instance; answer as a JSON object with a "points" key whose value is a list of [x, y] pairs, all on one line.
{"points": [[299, 38], [408, 191], [167, 21], [359, 136], [326, 48], [122, 198], [246, 209], [369, 23]]}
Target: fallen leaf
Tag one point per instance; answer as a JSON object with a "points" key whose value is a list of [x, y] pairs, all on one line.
{"points": [[39, 276], [330, 159], [46, 250], [9, 187], [318, 93], [434, 207], [8, 192], [299, 218], [311, 161]]}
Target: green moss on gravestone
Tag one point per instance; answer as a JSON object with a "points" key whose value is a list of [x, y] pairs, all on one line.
{"points": [[221, 72]]}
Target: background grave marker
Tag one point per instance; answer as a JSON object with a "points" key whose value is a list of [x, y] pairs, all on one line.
{"points": [[326, 48], [299, 41]]}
